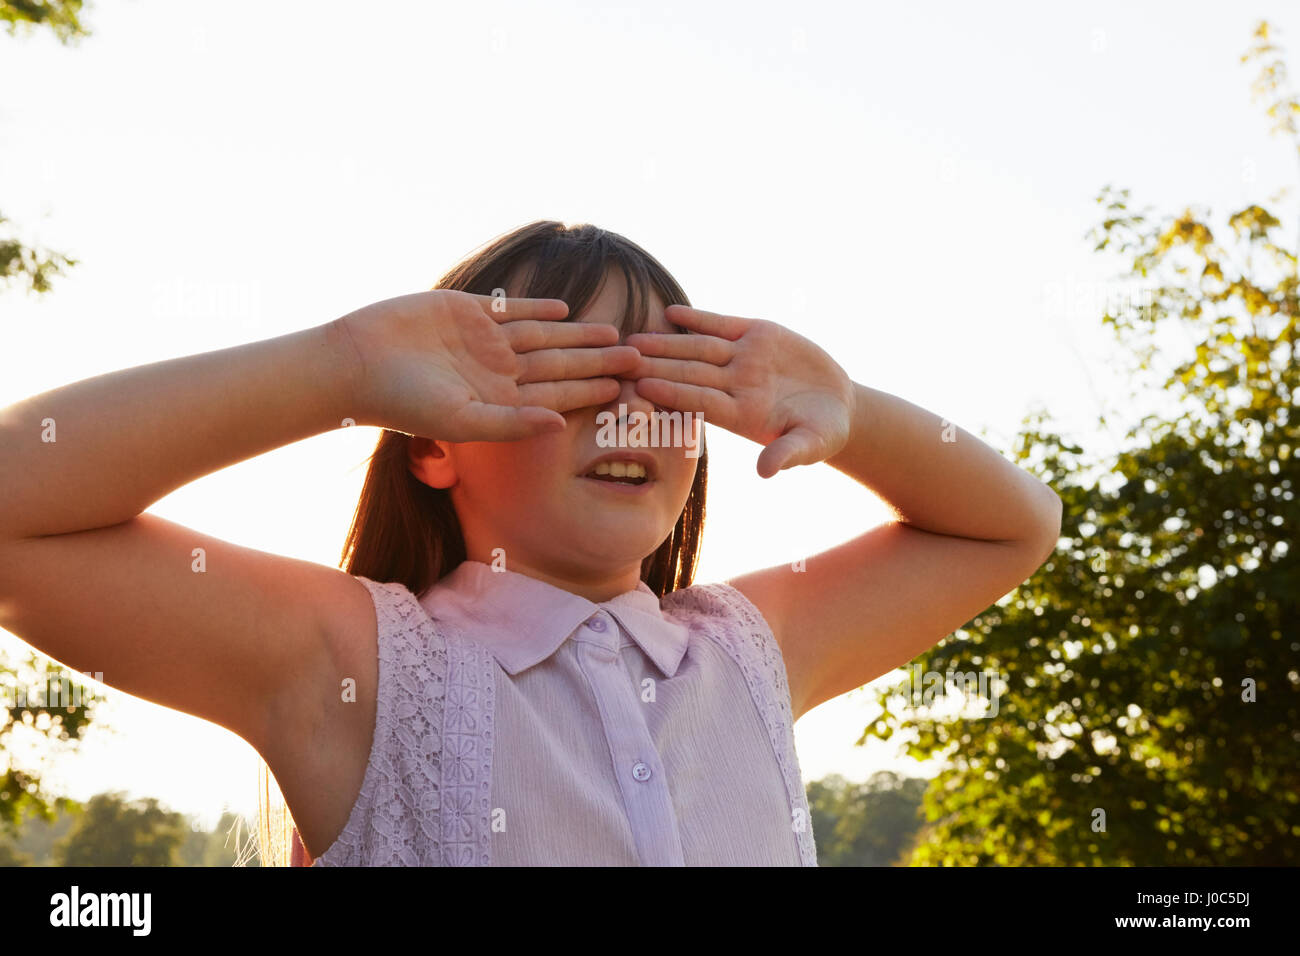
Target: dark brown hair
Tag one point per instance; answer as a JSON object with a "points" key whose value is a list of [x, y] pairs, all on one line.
{"points": [[405, 531]]}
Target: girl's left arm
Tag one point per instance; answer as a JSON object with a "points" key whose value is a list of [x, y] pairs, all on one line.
{"points": [[968, 525]]}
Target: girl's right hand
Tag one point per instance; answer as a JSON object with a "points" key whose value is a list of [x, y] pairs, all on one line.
{"points": [[462, 367]]}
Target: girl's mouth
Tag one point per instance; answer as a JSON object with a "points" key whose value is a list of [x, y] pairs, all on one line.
{"points": [[620, 477], [626, 476]]}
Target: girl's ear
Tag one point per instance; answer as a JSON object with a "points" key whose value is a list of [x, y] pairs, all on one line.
{"points": [[430, 461]]}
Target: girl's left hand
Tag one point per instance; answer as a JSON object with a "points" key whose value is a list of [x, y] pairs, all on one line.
{"points": [[753, 377]]}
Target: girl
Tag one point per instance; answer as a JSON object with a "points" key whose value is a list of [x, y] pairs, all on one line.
{"points": [[513, 666]]}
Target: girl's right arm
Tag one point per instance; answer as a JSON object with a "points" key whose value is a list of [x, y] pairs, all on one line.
{"points": [[90, 580]]}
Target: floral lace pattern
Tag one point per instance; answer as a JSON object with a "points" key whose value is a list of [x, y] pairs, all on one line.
{"points": [[397, 818], [467, 761]]}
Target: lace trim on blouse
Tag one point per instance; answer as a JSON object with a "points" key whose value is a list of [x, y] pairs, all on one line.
{"points": [[467, 764], [396, 820]]}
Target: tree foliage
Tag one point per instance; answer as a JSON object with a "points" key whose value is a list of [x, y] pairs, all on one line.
{"points": [[39, 701], [21, 264], [30, 266], [865, 824], [19, 786], [111, 831], [134, 831], [1151, 715], [62, 17]]}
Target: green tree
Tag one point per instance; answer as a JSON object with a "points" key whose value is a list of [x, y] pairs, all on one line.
{"points": [[40, 698], [10, 855], [111, 831], [20, 263], [34, 266], [1151, 715], [865, 824], [35, 840], [63, 17]]}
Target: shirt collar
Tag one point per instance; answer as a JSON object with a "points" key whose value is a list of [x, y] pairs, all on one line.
{"points": [[523, 620]]}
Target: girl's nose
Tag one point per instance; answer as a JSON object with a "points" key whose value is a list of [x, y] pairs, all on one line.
{"points": [[627, 395]]}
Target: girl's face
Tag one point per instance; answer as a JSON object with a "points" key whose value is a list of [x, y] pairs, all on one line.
{"points": [[531, 499]]}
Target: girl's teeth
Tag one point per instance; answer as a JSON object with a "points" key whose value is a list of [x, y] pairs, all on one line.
{"points": [[621, 469]]}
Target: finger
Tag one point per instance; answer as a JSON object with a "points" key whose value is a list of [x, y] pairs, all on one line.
{"points": [[525, 336], [565, 396], [508, 310], [710, 323], [504, 422], [548, 365], [716, 405], [687, 372], [703, 348], [798, 446]]}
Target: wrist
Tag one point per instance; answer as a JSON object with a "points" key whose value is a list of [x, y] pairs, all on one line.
{"points": [[862, 411], [344, 369]]}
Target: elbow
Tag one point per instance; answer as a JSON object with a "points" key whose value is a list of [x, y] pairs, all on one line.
{"points": [[1049, 536]]}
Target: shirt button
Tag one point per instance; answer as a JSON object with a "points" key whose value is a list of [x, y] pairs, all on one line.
{"points": [[640, 771], [596, 624]]}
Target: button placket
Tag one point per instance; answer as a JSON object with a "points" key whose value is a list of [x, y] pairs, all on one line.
{"points": [[645, 793]]}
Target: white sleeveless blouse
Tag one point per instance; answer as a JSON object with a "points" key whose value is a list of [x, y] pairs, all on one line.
{"points": [[518, 724]]}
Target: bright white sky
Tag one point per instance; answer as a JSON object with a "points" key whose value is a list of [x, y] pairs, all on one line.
{"points": [[908, 185]]}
